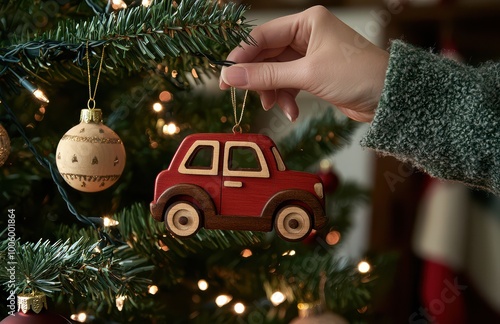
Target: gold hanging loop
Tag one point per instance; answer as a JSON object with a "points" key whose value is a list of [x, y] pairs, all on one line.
{"points": [[237, 121], [91, 101]]}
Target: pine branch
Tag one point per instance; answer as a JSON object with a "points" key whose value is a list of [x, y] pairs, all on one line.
{"points": [[79, 268], [185, 33], [316, 138], [145, 238]]}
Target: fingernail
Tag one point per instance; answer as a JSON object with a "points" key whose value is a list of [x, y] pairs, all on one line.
{"points": [[263, 104], [292, 119], [235, 76]]}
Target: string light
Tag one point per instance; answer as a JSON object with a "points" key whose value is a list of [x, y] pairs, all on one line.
{"points": [[118, 4], [170, 129], [153, 289], [194, 73], [162, 246], [37, 93], [290, 253], [108, 222], [146, 3], [157, 107], [364, 267], [202, 285], [80, 317], [333, 238], [120, 301], [239, 308], [277, 298], [165, 96], [222, 300], [246, 253]]}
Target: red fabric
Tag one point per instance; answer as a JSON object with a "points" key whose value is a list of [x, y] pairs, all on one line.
{"points": [[442, 295]]}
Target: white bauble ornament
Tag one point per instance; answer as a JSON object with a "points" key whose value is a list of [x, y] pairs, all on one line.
{"points": [[4, 145], [90, 156]]}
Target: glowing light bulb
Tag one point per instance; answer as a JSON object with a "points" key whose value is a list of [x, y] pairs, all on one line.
{"points": [[222, 300], [120, 301], [333, 238], [364, 267], [146, 3], [170, 129], [239, 308], [80, 317], [107, 222], [157, 107], [153, 289], [277, 298], [246, 253], [165, 96], [40, 95], [202, 285], [118, 4]]}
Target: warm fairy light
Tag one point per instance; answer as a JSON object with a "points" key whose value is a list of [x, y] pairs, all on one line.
{"points": [[146, 3], [118, 4], [120, 300], [170, 129], [332, 238], [203, 285], [165, 96], [194, 73], [162, 246], [174, 74], [157, 107], [153, 289], [81, 317], [277, 298], [107, 222], [40, 95], [246, 253], [222, 300], [363, 309], [364, 267], [290, 253], [239, 308]]}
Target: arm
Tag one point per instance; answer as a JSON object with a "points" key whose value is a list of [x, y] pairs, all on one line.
{"points": [[440, 115]]}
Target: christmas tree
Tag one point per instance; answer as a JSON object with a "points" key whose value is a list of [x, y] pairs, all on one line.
{"points": [[98, 255]]}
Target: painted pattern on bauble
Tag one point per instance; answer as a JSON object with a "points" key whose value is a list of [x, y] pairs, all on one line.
{"points": [[90, 156]]}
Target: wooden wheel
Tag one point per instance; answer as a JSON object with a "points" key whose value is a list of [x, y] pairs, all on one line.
{"points": [[182, 219], [292, 223]]}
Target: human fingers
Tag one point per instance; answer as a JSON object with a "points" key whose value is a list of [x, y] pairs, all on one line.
{"points": [[278, 33], [266, 75], [285, 98], [274, 55], [267, 98]]}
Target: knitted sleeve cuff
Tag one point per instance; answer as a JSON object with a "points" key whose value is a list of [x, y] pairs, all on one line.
{"points": [[440, 115]]}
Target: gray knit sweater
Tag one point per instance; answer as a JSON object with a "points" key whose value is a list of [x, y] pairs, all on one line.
{"points": [[440, 115]]}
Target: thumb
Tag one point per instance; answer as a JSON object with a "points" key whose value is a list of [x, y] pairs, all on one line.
{"points": [[263, 76]]}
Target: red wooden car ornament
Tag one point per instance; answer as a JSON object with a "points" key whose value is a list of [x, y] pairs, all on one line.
{"points": [[236, 182]]}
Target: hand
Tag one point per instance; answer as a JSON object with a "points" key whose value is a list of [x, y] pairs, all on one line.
{"points": [[312, 51]]}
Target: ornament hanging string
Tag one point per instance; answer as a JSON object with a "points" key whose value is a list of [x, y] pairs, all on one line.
{"points": [[237, 121], [91, 101]]}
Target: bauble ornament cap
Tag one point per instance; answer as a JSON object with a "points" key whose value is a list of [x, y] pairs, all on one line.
{"points": [[32, 309], [90, 156]]}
